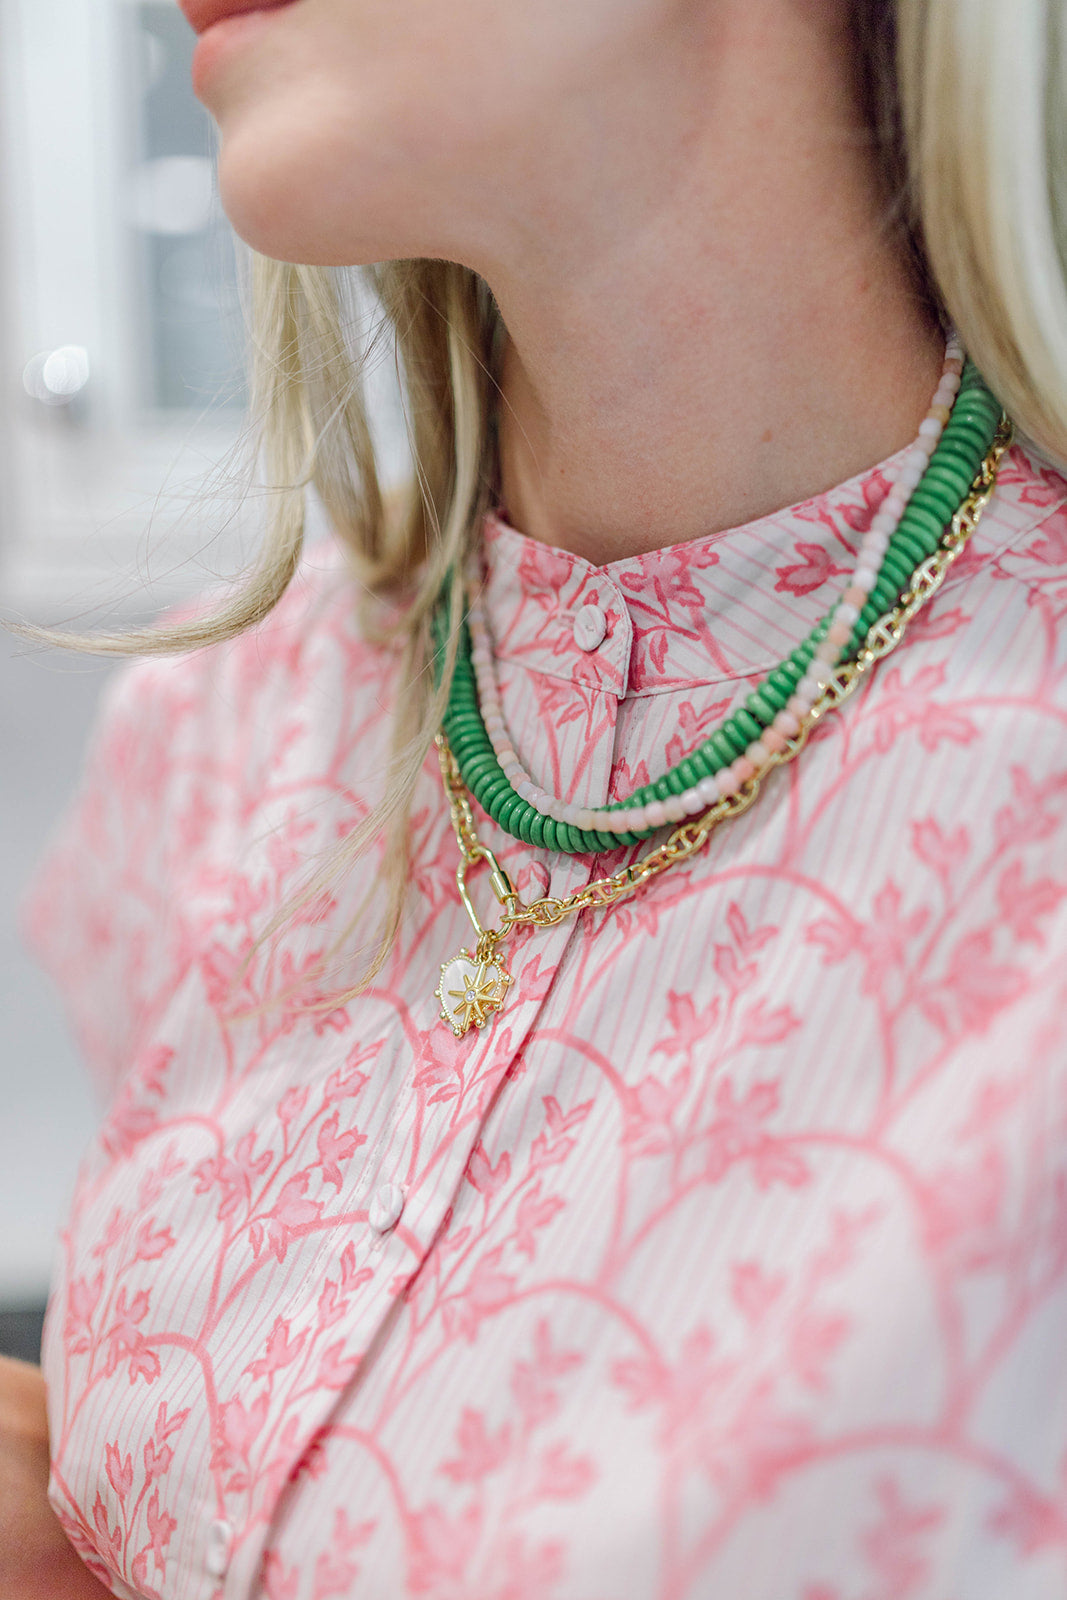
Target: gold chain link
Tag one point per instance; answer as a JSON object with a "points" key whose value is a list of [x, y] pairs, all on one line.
{"points": [[689, 838]]}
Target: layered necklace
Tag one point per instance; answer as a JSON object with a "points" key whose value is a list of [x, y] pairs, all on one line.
{"points": [[941, 487]]}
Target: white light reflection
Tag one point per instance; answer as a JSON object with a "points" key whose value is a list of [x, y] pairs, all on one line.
{"points": [[55, 377]]}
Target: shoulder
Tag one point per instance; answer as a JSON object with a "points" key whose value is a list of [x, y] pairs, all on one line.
{"points": [[309, 664]]}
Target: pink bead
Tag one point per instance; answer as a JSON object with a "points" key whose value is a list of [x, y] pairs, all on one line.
{"points": [[775, 741], [864, 579], [954, 365], [758, 754], [785, 722], [885, 523], [656, 814], [931, 428], [743, 770], [674, 806], [910, 477], [840, 633], [707, 791], [855, 597], [799, 704], [896, 503], [847, 613], [873, 548], [829, 652], [727, 782]]}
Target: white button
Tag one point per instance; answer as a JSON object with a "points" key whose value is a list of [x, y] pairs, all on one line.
{"points": [[590, 626], [386, 1207], [219, 1546]]}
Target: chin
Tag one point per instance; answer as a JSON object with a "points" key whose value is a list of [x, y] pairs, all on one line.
{"points": [[292, 197]]}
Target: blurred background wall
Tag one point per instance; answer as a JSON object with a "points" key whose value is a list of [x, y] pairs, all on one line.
{"points": [[122, 401]]}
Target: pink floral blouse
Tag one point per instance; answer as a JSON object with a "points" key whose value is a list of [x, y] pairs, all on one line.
{"points": [[729, 1262]]}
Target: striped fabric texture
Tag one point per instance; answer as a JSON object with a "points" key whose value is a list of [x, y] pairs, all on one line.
{"points": [[729, 1261]]}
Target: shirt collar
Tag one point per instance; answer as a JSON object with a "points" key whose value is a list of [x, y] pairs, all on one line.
{"points": [[713, 610]]}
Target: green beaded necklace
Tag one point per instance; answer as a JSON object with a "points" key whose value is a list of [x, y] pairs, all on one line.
{"points": [[945, 484]]}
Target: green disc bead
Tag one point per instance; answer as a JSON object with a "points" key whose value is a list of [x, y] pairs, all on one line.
{"points": [[725, 746], [703, 762], [650, 791], [885, 595], [537, 830], [949, 476], [690, 773], [606, 842], [466, 757], [913, 549], [962, 456], [800, 660], [510, 805], [773, 695], [495, 803], [913, 545], [898, 572], [761, 707], [521, 823], [482, 793], [676, 783], [930, 519], [492, 791], [469, 726], [482, 750], [549, 834], [930, 507], [783, 680], [530, 829], [466, 725], [580, 841], [746, 724], [970, 431]]}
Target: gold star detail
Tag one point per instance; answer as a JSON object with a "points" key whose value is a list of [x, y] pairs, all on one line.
{"points": [[471, 990]]}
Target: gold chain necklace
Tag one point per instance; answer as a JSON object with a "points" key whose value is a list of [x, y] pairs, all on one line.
{"points": [[474, 984]]}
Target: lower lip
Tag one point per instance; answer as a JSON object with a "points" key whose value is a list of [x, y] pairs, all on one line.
{"points": [[217, 43]]}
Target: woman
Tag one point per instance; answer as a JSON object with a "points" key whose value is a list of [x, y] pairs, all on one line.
{"points": [[702, 1234]]}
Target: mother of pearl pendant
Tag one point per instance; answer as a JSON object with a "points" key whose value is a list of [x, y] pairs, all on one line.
{"points": [[471, 989]]}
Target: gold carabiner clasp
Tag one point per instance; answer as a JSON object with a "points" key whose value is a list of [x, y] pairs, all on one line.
{"points": [[502, 888]]}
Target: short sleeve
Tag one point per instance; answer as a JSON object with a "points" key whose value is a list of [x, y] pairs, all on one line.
{"points": [[102, 911]]}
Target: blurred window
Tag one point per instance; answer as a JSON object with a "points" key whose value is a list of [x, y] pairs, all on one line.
{"points": [[121, 340]]}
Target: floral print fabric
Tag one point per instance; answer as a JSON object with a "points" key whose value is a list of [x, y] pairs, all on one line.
{"points": [[730, 1260]]}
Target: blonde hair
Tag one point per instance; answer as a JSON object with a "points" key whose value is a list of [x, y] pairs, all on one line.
{"points": [[968, 102]]}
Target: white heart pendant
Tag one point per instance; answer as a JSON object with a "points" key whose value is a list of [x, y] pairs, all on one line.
{"points": [[471, 989]]}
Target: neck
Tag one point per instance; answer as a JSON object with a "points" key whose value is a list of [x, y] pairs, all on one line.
{"points": [[752, 336]]}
